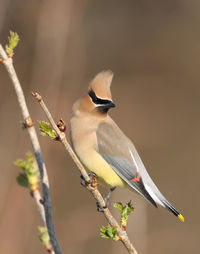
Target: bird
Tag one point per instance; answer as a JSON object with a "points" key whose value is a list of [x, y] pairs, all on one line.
{"points": [[104, 149]]}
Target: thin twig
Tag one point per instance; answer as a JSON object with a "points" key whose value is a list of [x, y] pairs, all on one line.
{"points": [[94, 191], [8, 63]]}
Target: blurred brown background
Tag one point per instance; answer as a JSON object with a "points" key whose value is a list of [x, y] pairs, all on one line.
{"points": [[153, 47]]}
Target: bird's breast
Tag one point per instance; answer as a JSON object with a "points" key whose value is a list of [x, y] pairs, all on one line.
{"points": [[85, 145], [94, 162]]}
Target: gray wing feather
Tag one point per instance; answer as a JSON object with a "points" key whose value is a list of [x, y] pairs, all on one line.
{"points": [[118, 150], [122, 156], [120, 153], [122, 168]]}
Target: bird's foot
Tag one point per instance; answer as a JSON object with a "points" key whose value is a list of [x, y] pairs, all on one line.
{"points": [[99, 208], [92, 182], [106, 200]]}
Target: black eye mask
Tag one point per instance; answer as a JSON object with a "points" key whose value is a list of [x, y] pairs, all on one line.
{"points": [[97, 100], [102, 105]]}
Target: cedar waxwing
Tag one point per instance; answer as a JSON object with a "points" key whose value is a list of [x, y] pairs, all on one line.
{"points": [[104, 149]]}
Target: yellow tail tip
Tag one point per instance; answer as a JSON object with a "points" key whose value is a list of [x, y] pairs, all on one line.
{"points": [[181, 218]]}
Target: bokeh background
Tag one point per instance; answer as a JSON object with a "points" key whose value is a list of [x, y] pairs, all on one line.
{"points": [[153, 47]]}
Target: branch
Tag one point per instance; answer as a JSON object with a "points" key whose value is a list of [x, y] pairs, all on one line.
{"points": [[29, 178], [39, 202], [93, 190], [8, 63]]}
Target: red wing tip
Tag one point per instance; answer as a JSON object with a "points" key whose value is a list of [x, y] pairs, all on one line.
{"points": [[136, 179]]}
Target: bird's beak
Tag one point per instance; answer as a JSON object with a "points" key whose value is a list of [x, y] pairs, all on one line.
{"points": [[105, 107], [111, 105]]}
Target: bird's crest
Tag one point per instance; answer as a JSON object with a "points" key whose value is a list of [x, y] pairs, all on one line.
{"points": [[100, 85]]}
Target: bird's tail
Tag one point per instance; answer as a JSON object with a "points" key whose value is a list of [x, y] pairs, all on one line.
{"points": [[173, 210], [158, 197]]}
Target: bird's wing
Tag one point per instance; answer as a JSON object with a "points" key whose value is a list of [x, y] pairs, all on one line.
{"points": [[122, 156]]}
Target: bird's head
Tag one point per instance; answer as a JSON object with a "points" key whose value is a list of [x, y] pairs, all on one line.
{"points": [[99, 92], [98, 99]]}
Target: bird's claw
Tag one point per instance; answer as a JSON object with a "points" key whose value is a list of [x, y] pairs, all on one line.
{"points": [[106, 200], [92, 181], [83, 182], [101, 209], [93, 178]]}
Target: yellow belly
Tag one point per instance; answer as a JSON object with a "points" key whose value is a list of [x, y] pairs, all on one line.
{"points": [[106, 175]]}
